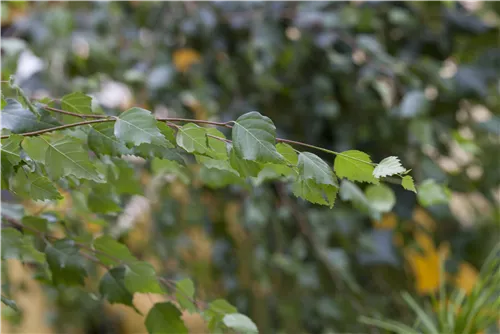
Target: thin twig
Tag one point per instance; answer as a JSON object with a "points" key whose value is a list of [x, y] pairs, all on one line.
{"points": [[61, 127], [60, 111]]}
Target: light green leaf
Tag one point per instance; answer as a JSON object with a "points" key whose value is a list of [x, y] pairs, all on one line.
{"points": [[312, 167], [141, 277], [168, 132], [351, 192], [77, 102], [123, 177], [216, 312], [15, 245], [217, 178], [112, 287], [165, 318], [171, 168], [388, 166], [355, 166], [324, 194], [431, 193], [103, 199], [381, 197], [111, 252], [36, 148], [102, 141], [288, 153], [193, 138], [11, 149], [136, 126], [65, 263], [67, 157], [216, 164], [218, 149], [240, 322], [184, 294], [408, 184], [34, 186], [254, 138]]}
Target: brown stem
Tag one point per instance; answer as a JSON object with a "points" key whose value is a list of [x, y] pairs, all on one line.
{"points": [[62, 127], [73, 113]]}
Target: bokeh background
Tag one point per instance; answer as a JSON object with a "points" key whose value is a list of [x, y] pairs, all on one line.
{"points": [[419, 80]]}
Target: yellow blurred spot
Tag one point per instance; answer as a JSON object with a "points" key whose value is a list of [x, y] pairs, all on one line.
{"points": [[184, 58], [423, 219], [389, 221], [466, 277]]}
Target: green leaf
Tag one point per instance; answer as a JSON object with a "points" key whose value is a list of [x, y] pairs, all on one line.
{"points": [[67, 157], [408, 184], [240, 322], [388, 166], [19, 120], [102, 141], [216, 164], [36, 148], [170, 167], [35, 186], [312, 167], [112, 287], [141, 277], [217, 178], [111, 252], [168, 132], [193, 138], [381, 197], [10, 303], [218, 148], [355, 166], [122, 176], [254, 138], [288, 153], [431, 193], [245, 168], [148, 151], [165, 318], [103, 199], [136, 126], [313, 192], [77, 103], [11, 149], [65, 263], [184, 294], [15, 245], [38, 223], [216, 311], [351, 192]]}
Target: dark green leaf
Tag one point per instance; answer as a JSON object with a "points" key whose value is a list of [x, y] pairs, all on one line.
{"points": [[35, 186], [193, 138], [19, 120], [244, 167], [11, 149], [141, 277], [102, 141], [15, 245], [65, 262], [112, 287], [36, 148], [165, 318]]}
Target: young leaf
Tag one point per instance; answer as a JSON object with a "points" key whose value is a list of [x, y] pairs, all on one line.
{"points": [[77, 103], [431, 193], [102, 141], [288, 153], [388, 166], [112, 287], [11, 149], [111, 252], [355, 166], [34, 186], [408, 184], [193, 138], [136, 126], [65, 262], [19, 120], [312, 167], [240, 322], [67, 157], [218, 149], [381, 197], [165, 318], [141, 277], [184, 294], [254, 137]]}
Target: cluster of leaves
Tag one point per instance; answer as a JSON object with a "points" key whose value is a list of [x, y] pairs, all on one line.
{"points": [[35, 164]]}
